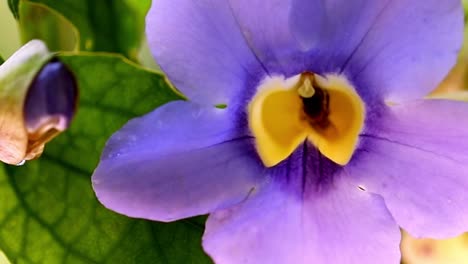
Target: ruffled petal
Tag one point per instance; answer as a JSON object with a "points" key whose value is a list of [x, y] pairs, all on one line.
{"points": [[179, 161], [340, 225], [398, 49], [201, 48], [417, 159]]}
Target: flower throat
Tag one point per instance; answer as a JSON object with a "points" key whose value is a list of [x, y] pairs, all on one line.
{"points": [[316, 101], [324, 110]]}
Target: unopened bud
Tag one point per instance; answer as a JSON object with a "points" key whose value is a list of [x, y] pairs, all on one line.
{"points": [[38, 96]]}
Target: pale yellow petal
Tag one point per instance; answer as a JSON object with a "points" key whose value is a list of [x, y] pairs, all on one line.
{"points": [[276, 120], [347, 112]]}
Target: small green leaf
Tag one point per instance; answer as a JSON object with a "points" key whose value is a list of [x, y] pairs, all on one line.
{"points": [[105, 25], [37, 21], [1, 60], [13, 4], [48, 210]]}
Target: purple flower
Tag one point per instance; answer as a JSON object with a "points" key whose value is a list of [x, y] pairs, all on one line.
{"points": [[326, 145]]}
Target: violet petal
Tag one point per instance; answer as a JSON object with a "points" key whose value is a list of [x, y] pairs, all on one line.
{"points": [[416, 158], [343, 225], [265, 25], [201, 48], [409, 49], [181, 160], [53, 92]]}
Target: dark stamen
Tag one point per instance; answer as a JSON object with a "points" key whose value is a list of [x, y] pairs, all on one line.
{"points": [[317, 107]]}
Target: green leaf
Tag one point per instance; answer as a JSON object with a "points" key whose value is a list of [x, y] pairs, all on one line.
{"points": [[37, 21], [1, 60], [13, 4], [48, 210], [105, 25]]}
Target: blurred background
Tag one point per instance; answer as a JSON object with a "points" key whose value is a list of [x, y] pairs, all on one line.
{"points": [[10, 40], [415, 251]]}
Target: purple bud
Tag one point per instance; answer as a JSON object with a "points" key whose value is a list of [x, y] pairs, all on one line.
{"points": [[50, 105], [52, 93]]}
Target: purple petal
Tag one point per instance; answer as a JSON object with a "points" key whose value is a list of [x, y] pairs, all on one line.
{"points": [[265, 24], [417, 159], [179, 161], [53, 93], [332, 29], [201, 48], [341, 225], [397, 48]]}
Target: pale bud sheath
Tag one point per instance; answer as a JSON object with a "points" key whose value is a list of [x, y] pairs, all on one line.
{"points": [[38, 97]]}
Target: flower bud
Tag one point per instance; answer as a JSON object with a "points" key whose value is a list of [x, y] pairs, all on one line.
{"points": [[38, 96]]}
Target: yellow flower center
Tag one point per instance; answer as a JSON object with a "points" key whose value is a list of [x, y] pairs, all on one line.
{"points": [[326, 111]]}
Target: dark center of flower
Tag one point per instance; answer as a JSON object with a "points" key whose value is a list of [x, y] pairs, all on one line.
{"points": [[317, 108], [316, 104]]}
